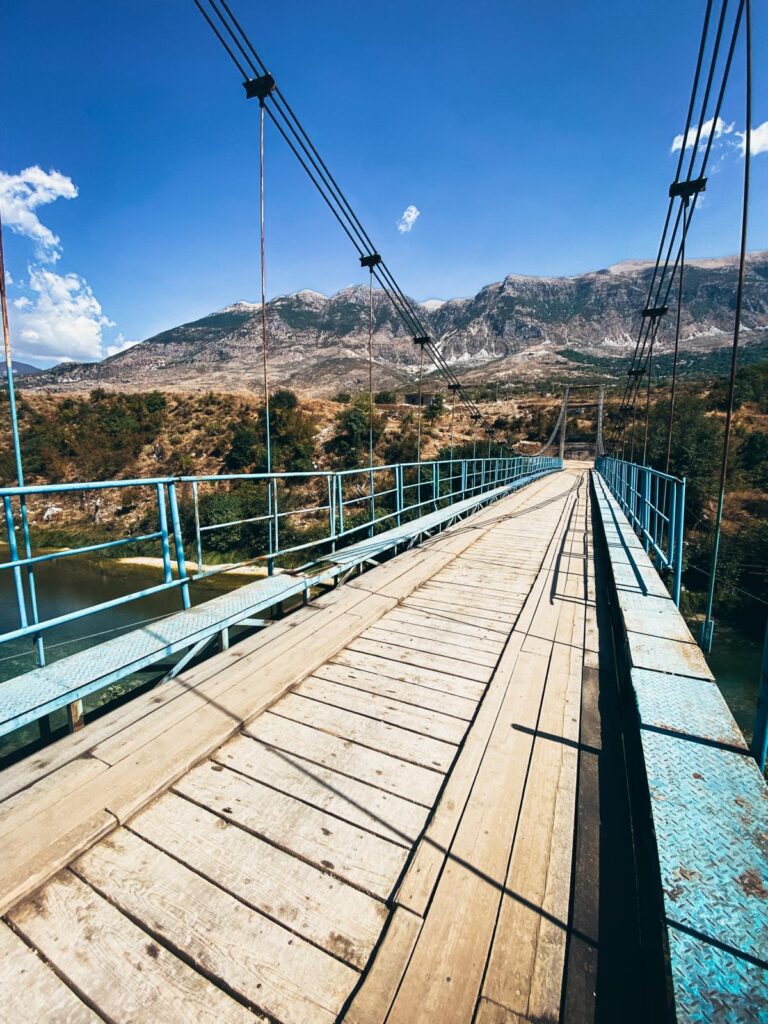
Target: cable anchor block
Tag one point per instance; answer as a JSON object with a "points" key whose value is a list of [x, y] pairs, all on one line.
{"points": [[685, 189], [259, 88], [371, 261]]}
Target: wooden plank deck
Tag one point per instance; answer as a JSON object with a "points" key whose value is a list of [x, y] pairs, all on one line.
{"points": [[363, 814]]}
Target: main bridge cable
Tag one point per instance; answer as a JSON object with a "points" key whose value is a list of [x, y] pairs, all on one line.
{"points": [[680, 159], [678, 188], [707, 627], [636, 371], [226, 27], [638, 367]]}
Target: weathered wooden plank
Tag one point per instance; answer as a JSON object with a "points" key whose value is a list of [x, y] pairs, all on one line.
{"points": [[265, 964], [418, 883], [373, 999], [384, 709], [45, 843], [114, 963], [436, 662], [389, 739], [328, 912], [433, 628], [398, 820], [390, 669], [500, 623], [407, 693], [389, 773], [445, 644], [525, 965], [445, 972], [349, 852], [32, 993], [47, 792]]}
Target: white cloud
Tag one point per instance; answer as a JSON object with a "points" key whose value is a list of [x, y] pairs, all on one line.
{"points": [[63, 320], [120, 344], [407, 219], [759, 141], [21, 194], [719, 126]]}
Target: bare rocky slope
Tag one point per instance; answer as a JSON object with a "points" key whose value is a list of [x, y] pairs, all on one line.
{"points": [[521, 327]]}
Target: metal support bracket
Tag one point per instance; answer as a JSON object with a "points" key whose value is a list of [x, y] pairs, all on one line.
{"points": [[686, 189], [259, 88], [654, 312], [373, 260]]}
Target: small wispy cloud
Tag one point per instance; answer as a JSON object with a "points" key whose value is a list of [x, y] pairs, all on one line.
{"points": [[759, 141], [709, 127], [408, 218]]}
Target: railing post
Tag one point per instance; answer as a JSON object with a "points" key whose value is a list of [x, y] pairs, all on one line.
{"points": [[162, 516], [340, 504], [275, 531], [760, 737], [646, 507], [678, 545], [13, 551], [435, 484], [198, 535], [178, 544], [399, 492], [331, 481], [371, 502]]}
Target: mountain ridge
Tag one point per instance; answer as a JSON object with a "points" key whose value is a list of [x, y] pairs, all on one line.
{"points": [[520, 325]]}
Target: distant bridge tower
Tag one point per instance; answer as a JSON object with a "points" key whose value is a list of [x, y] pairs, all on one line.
{"points": [[563, 422]]}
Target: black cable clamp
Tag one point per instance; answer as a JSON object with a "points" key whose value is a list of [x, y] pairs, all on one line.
{"points": [[635, 371], [259, 88], [653, 312], [686, 189], [423, 340], [454, 387], [370, 261]]}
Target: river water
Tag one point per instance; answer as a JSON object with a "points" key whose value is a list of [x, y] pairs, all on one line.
{"points": [[79, 582]]}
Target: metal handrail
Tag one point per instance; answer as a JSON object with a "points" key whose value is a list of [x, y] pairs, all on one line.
{"points": [[654, 504], [347, 503]]}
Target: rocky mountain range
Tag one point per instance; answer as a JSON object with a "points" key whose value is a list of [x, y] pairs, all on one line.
{"points": [[521, 327]]}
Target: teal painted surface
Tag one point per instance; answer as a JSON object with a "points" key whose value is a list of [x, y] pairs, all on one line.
{"points": [[709, 808]]}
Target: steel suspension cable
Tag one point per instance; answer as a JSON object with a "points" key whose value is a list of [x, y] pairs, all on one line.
{"points": [[673, 387], [708, 625], [306, 153], [264, 333], [370, 368], [418, 429]]}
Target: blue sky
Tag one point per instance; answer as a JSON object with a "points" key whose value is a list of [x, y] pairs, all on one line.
{"points": [[532, 138]]}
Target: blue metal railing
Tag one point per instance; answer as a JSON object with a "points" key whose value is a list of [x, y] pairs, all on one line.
{"points": [[291, 512], [654, 504]]}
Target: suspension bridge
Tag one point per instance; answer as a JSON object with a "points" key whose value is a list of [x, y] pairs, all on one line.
{"points": [[454, 757]]}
